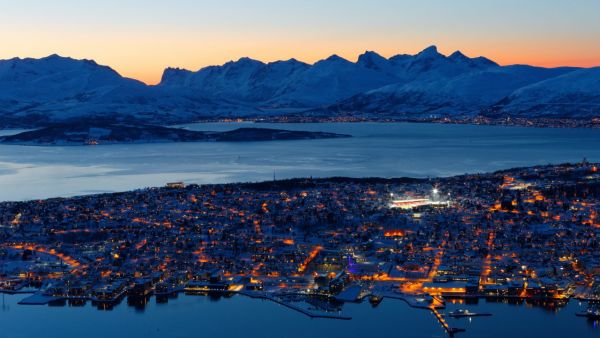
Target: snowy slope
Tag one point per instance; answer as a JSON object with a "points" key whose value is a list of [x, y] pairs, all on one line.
{"points": [[575, 94], [295, 84], [468, 92], [55, 88], [282, 83], [246, 79]]}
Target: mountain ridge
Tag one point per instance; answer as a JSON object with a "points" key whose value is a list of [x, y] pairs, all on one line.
{"points": [[427, 84]]}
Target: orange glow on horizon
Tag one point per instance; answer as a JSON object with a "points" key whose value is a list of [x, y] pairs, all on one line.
{"points": [[152, 75], [148, 62], [141, 41]]}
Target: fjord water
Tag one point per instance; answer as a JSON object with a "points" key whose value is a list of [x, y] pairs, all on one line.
{"points": [[376, 149], [386, 150], [201, 316]]}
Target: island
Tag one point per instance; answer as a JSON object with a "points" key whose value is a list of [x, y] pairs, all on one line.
{"points": [[91, 133]]}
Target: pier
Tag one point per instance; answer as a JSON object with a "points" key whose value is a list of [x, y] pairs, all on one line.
{"points": [[434, 305], [450, 330], [306, 312]]}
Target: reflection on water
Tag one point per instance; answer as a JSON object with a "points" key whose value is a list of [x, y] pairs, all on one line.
{"points": [[237, 316], [376, 149]]}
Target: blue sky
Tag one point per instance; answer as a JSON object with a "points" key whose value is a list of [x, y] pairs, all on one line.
{"points": [[140, 38]]}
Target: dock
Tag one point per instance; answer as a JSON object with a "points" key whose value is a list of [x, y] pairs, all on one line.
{"points": [[306, 312], [450, 330], [434, 305]]}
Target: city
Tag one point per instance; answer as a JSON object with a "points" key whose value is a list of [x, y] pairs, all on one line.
{"points": [[526, 234]]}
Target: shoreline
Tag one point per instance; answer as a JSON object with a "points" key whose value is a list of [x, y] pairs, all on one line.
{"points": [[260, 240], [558, 123], [300, 181]]}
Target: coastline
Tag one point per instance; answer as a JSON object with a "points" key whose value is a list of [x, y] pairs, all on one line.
{"points": [[313, 265], [478, 120]]}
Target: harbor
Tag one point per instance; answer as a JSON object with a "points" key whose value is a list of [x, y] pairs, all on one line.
{"points": [[388, 316], [315, 247], [113, 295]]}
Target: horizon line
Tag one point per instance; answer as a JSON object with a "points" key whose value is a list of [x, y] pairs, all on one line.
{"points": [[310, 63]]}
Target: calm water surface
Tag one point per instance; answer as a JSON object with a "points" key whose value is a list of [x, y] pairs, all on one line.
{"points": [[199, 316], [376, 149]]}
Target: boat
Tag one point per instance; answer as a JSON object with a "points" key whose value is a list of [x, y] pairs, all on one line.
{"points": [[375, 299], [592, 312], [466, 313]]}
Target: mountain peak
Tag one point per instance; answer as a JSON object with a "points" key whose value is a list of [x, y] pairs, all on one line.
{"points": [[53, 56], [430, 51], [370, 55], [458, 55], [58, 58], [336, 58], [174, 75], [485, 61], [246, 61], [372, 60], [474, 62], [293, 61], [243, 61]]}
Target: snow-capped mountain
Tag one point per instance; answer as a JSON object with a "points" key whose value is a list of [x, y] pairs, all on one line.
{"points": [[246, 79], [575, 94], [54, 75], [55, 88], [280, 84], [466, 93], [328, 81], [298, 85]]}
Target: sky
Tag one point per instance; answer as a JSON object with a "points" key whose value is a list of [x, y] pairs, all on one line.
{"points": [[139, 38]]}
